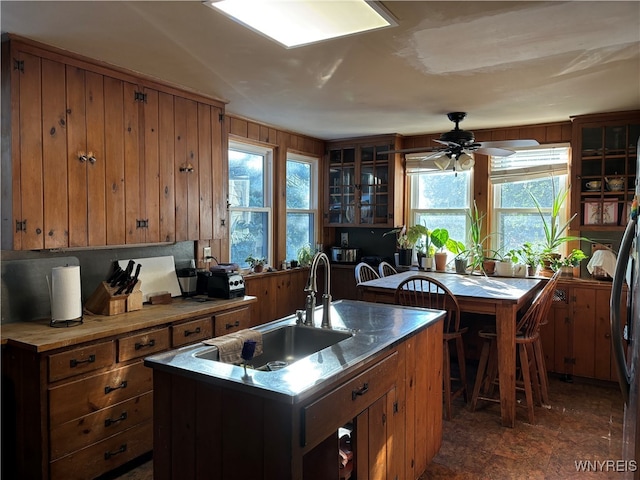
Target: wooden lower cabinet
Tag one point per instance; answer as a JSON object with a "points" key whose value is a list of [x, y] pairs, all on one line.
{"points": [[577, 338], [82, 410], [204, 430]]}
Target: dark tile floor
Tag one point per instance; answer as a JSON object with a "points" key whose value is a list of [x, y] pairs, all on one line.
{"points": [[583, 422]]}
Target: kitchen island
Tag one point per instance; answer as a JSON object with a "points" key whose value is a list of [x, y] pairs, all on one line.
{"points": [[383, 384]]}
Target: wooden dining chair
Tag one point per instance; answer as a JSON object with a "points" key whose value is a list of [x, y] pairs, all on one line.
{"points": [[385, 269], [531, 364], [365, 272], [420, 291]]}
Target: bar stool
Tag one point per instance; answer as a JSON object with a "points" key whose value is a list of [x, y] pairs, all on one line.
{"points": [[527, 334], [419, 291]]}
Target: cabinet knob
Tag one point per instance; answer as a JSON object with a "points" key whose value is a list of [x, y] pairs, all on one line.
{"points": [[82, 157], [91, 158]]}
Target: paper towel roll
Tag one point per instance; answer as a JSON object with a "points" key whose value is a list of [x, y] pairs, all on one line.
{"points": [[66, 298]]}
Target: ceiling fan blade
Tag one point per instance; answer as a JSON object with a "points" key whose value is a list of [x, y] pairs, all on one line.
{"points": [[423, 155], [496, 152], [448, 144], [410, 150], [510, 144]]}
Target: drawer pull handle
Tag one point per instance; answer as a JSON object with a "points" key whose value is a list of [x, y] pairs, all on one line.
{"points": [[74, 363], [151, 343], [110, 421], [122, 449], [109, 389], [191, 332], [360, 391], [231, 325]]}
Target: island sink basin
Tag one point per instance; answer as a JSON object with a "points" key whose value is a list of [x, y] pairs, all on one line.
{"points": [[284, 345]]}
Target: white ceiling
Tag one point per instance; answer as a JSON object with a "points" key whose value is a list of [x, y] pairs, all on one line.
{"points": [[506, 63]]}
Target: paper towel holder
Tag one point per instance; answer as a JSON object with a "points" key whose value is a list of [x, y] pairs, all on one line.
{"points": [[65, 322]]}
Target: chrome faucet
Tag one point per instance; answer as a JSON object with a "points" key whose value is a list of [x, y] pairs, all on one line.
{"points": [[312, 288]]}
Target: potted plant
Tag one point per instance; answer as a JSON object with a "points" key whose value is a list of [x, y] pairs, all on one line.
{"points": [[256, 264], [530, 255], [406, 239], [568, 263], [462, 254], [439, 238], [554, 231], [478, 260], [305, 255]]}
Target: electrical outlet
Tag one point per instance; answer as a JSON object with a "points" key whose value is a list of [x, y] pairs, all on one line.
{"points": [[207, 254], [344, 239]]}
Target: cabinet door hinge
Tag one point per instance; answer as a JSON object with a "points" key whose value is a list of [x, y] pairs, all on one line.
{"points": [[139, 97], [21, 226], [221, 117], [142, 223], [395, 407], [384, 418], [18, 65]]}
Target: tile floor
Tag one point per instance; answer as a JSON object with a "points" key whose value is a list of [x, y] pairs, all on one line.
{"points": [[584, 422]]}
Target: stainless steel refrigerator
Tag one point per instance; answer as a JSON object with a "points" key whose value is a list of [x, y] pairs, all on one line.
{"points": [[625, 332]]}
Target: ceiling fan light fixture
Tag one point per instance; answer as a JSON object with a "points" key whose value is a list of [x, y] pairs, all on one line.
{"points": [[442, 162], [466, 161]]}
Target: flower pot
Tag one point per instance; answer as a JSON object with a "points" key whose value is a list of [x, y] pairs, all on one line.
{"points": [[532, 270], [519, 270], [404, 256], [566, 272], [258, 268], [441, 261], [504, 269], [461, 265], [426, 263], [489, 266], [546, 270]]}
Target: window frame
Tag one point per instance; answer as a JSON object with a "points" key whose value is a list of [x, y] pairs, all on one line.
{"points": [[268, 187], [314, 201], [524, 175]]}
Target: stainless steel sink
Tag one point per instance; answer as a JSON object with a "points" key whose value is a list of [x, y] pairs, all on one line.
{"points": [[284, 345]]}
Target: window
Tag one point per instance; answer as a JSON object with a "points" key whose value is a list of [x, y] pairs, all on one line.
{"points": [[249, 202], [302, 203], [440, 200], [538, 172]]}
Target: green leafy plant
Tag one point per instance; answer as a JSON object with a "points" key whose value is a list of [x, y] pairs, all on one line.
{"points": [[554, 230], [255, 261], [439, 238], [571, 260], [305, 255], [530, 254], [408, 237]]}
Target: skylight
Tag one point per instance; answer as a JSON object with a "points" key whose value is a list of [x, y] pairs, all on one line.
{"points": [[294, 23]]}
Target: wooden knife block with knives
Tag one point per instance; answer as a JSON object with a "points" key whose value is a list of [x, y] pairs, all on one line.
{"points": [[120, 293]]}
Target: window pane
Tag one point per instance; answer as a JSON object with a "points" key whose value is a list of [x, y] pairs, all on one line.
{"points": [[246, 179], [517, 228], [248, 233], [298, 185], [299, 233], [442, 190], [516, 194]]}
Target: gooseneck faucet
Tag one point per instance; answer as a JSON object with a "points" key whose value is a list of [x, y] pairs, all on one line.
{"points": [[312, 288]]}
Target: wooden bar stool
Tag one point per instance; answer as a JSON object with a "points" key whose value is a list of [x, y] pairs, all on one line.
{"points": [[531, 370], [419, 291]]}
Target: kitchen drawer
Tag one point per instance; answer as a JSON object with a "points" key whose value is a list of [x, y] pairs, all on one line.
{"points": [[143, 344], [191, 332], [81, 397], [97, 426], [230, 322], [81, 360], [105, 455], [344, 403]]}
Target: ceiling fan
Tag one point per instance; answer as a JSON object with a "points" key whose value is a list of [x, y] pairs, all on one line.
{"points": [[457, 144]]}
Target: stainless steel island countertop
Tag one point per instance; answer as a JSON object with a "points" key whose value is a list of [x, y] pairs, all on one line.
{"points": [[374, 327]]}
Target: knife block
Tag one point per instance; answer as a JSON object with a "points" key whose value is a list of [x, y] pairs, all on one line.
{"points": [[104, 301]]}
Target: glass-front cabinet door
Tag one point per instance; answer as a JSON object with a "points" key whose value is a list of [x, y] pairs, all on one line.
{"points": [[361, 186]]}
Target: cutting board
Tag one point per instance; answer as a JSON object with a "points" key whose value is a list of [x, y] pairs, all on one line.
{"points": [[157, 275]]}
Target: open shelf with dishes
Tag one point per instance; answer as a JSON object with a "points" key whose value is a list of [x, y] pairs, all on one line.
{"points": [[605, 149]]}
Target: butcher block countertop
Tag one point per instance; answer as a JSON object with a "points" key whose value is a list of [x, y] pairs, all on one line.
{"points": [[40, 337]]}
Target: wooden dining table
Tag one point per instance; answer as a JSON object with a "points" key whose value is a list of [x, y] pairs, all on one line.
{"points": [[502, 297]]}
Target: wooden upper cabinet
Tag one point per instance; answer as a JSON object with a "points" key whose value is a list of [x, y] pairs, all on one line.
{"points": [[95, 156]]}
